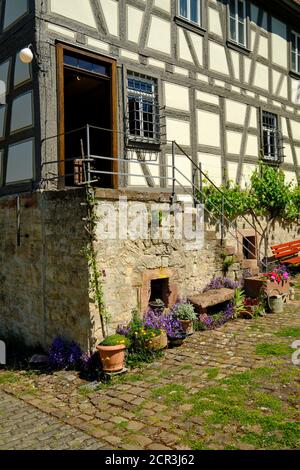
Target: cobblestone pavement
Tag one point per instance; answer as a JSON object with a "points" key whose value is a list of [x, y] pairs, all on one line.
{"points": [[155, 408]]}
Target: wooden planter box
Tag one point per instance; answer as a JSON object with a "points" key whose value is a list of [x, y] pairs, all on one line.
{"points": [[255, 286]]}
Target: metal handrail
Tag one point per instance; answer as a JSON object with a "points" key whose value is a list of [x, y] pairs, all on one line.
{"points": [[88, 171]]}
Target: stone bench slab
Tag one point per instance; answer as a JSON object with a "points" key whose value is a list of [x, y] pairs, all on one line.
{"points": [[211, 298]]}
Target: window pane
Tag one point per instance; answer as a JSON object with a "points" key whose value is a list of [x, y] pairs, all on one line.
{"points": [[298, 44], [195, 16], [2, 120], [14, 9], [241, 11], [4, 71], [183, 8], [241, 33], [22, 72], [232, 30], [20, 162], [148, 119], [294, 67], [232, 8], [1, 167], [293, 38], [22, 115], [134, 116]]}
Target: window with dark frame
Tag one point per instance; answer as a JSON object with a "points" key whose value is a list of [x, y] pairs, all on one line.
{"points": [[295, 52], [190, 10], [271, 138], [237, 22], [143, 110]]}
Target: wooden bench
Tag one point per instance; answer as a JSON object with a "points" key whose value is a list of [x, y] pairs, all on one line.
{"points": [[288, 253]]}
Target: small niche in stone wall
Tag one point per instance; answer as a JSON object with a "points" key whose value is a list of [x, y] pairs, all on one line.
{"points": [[160, 290]]}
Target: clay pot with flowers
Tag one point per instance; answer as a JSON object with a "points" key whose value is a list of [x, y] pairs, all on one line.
{"points": [[185, 313], [112, 353]]}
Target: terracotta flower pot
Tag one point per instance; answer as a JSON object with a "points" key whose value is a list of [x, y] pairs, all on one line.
{"points": [[112, 357], [158, 342], [187, 326]]}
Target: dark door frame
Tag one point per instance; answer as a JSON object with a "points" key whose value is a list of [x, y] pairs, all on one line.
{"points": [[61, 48]]}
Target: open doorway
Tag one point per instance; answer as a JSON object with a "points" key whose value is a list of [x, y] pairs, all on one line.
{"points": [[87, 97]]}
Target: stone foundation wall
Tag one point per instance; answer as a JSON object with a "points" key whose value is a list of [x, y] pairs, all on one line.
{"points": [[44, 282]]}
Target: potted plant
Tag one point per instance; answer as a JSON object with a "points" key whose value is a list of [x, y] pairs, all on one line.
{"points": [[157, 304], [158, 339], [112, 353], [186, 315]]}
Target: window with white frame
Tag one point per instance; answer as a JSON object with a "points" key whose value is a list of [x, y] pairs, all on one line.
{"points": [[190, 10], [238, 22], [143, 110], [295, 52], [271, 137]]}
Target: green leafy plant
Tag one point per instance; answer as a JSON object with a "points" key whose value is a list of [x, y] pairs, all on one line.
{"points": [[95, 274], [268, 195], [115, 340], [185, 311], [227, 262], [239, 302]]}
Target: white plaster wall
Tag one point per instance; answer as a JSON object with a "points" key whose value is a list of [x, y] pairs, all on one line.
{"points": [[279, 43], [235, 112], [178, 130], [184, 50], [236, 64], [295, 129], [110, 10], [288, 154], [232, 171], [207, 97], [247, 66], [252, 145], [212, 166], [284, 128], [208, 125], [261, 77], [77, 10], [197, 42], [176, 96], [217, 58], [247, 172], [163, 4], [184, 173], [214, 23], [263, 48], [234, 141], [159, 35], [134, 23], [253, 118]]}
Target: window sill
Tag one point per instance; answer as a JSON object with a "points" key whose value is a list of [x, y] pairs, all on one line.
{"points": [[238, 47], [190, 26], [270, 162], [294, 74], [143, 145]]}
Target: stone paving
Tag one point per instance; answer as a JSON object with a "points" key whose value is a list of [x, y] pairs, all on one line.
{"points": [[60, 411]]}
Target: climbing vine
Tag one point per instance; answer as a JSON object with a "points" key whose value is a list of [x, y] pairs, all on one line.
{"points": [[90, 252], [268, 195]]}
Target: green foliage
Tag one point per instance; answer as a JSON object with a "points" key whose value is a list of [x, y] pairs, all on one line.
{"points": [[227, 262], [185, 311], [271, 194], [289, 332], [268, 195], [239, 298], [96, 276], [115, 340], [236, 201], [267, 349]]}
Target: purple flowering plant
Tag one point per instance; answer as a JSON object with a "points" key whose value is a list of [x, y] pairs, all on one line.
{"points": [[220, 283], [64, 354]]}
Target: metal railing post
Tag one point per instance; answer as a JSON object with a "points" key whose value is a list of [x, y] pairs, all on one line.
{"points": [[222, 220], [88, 147], [173, 172]]}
